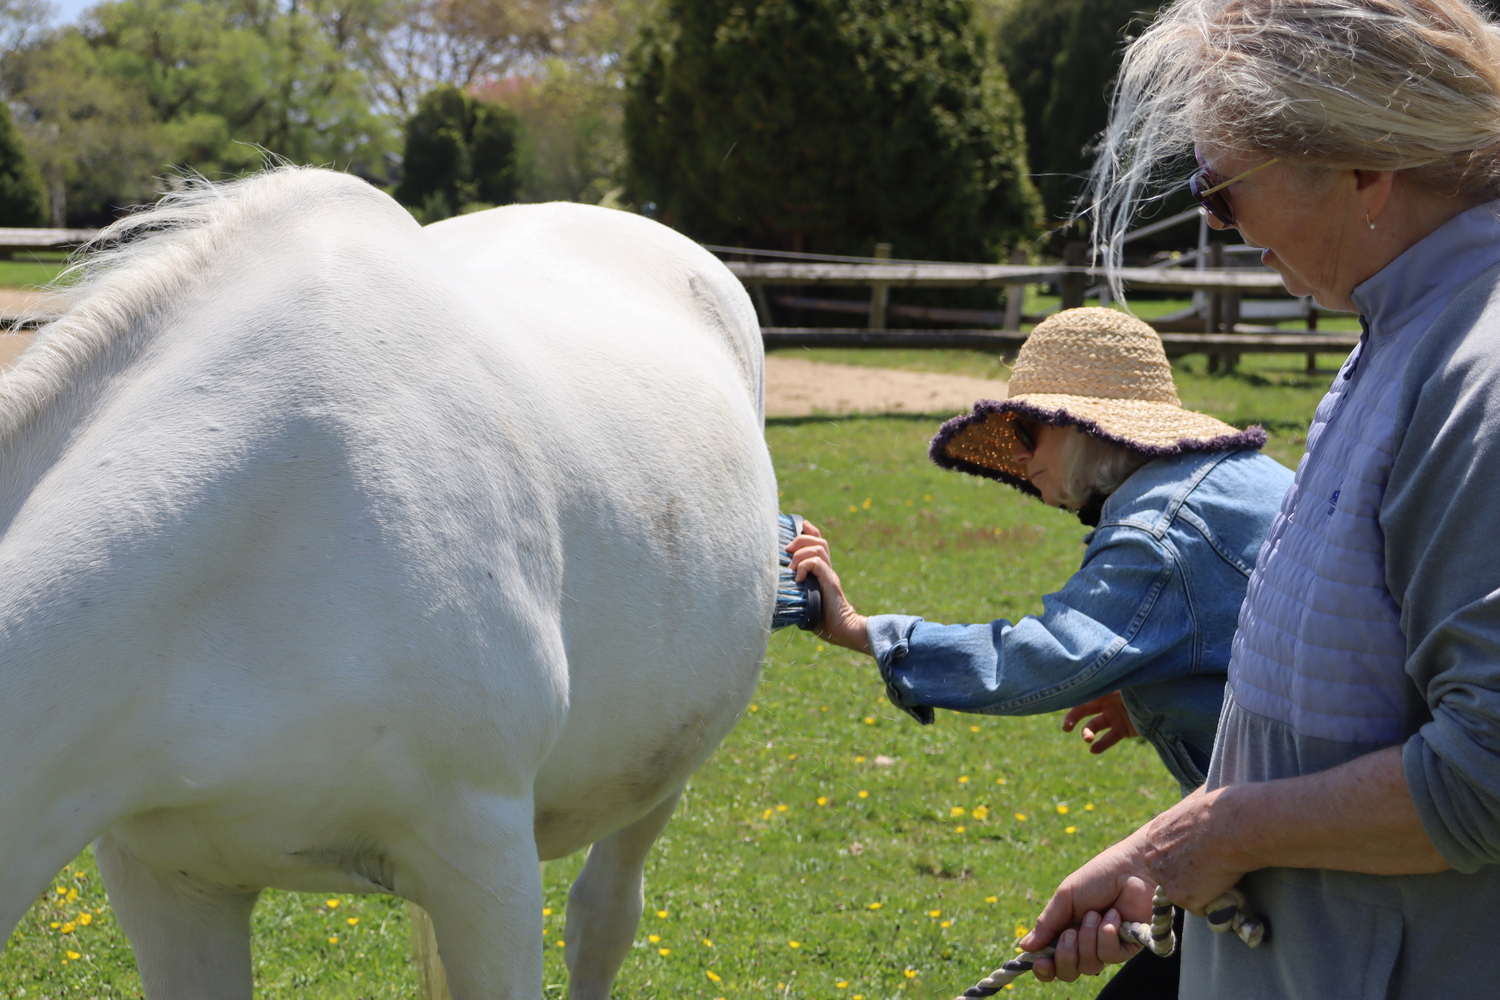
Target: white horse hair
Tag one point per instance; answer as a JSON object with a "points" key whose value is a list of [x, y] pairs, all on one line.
{"points": [[346, 556]]}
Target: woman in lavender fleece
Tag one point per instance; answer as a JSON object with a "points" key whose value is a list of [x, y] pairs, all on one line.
{"points": [[1138, 639], [1354, 791]]}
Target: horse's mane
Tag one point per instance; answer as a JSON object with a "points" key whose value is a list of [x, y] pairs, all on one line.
{"points": [[133, 269]]}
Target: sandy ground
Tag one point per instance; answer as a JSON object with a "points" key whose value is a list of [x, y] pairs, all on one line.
{"points": [[799, 388], [794, 387]]}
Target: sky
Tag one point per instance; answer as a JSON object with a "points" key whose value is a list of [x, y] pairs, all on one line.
{"points": [[68, 10]]}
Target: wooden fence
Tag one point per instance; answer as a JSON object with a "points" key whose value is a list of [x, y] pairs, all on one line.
{"points": [[1218, 337]]}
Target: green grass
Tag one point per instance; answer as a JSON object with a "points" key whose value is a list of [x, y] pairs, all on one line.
{"points": [[754, 861], [30, 271]]}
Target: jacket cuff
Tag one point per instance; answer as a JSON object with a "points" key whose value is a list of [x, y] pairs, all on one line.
{"points": [[890, 641], [1439, 805]]}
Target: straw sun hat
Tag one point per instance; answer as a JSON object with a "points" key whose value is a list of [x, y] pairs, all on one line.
{"points": [[1097, 369]]}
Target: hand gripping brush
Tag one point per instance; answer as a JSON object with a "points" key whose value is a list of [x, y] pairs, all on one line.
{"points": [[799, 604]]}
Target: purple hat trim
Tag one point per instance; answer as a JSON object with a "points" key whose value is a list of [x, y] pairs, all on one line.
{"points": [[1252, 437]]}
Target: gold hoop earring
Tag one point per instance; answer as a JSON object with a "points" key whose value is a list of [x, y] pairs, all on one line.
{"points": [[1369, 220]]}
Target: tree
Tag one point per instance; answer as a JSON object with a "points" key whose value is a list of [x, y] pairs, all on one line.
{"points": [[827, 125], [459, 153], [23, 201], [1062, 57]]}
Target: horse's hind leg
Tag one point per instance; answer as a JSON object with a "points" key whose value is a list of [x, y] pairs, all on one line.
{"points": [[604, 905], [191, 940], [476, 875]]}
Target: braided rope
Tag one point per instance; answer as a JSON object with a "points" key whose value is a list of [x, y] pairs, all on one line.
{"points": [[1224, 914]]}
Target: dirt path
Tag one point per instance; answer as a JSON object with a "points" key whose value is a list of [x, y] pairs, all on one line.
{"points": [[798, 388]]}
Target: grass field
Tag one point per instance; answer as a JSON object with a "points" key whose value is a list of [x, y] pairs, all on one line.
{"points": [[832, 848], [30, 270]]}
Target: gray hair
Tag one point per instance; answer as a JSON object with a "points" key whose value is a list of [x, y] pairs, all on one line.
{"points": [[1091, 465], [1405, 85]]}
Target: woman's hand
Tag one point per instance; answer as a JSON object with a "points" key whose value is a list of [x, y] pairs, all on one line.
{"points": [[1111, 725], [1184, 850], [842, 625]]}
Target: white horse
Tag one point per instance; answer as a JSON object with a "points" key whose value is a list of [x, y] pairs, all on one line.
{"points": [[342, 555]]}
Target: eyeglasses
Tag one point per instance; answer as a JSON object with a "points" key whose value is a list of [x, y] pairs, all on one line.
{"points": [[1211, 195], [1024, 434]]}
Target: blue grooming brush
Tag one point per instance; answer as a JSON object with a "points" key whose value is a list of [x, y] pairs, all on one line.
{"points": [[799, 604]]}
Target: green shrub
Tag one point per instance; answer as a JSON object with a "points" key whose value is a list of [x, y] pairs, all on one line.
{"points": [[23, 200], [827, 125], [458, 152]]}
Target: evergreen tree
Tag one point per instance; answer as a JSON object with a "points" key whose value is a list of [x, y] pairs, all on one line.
{"points": [[827, 125], [459, 153], [23, 200], [1062, 57]]}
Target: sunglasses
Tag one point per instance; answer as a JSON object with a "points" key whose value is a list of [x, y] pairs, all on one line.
{"points": [[1024, 434], [1212, 196]]}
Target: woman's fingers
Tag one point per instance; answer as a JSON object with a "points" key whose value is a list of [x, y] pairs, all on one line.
{"points": [[1100, 741], [1089, 962], [1079, 712]]}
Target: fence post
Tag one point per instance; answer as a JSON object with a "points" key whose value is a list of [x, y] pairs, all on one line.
{"points": [[1015, 295], [880, 293], [1215, 312], [1070, 287]]}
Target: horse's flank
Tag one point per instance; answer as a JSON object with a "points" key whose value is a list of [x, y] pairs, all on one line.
{"points": [[333, 549]]}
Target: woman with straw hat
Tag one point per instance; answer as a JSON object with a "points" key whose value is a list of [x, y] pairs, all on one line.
{"points": [[1354, 790], [1180, 503]]}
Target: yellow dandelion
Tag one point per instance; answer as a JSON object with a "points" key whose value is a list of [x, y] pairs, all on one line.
{"points": [[864, 794], [74, 956], [662, 914], [992, 899], [767, 814], [957, 811], [1021, 817], [333, 940], [973, 729], [876, 906], [664, 952], [927, 497], [781, 808], [332, 904], [791, 756], [1062, 809], [934, 914], [560, 943], [72, 895], [713, 976], [908, 503], [653, 938], [858, 996], [1088, 807], [1010, 986], [869, 720], [546, 911], [910, 973], [963, 779], [707, 943], [999, 781], [842, 984], [545, 932], [859, 760], [62, 892], [67, 928], [755, 708], [853, 509], [1022, 930], [867, 503], [1071, 829], [960, 828], [85, 918], [980, 812], [55, 924], [946, 923], [794, 944], [822, 800]]}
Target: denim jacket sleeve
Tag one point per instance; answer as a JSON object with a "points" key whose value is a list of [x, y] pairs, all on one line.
{"points": [[1118, 621]]}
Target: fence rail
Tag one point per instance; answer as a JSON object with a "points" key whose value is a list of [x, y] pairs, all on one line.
{"points": [[999, 275], [1003, 341], [12, 240]]}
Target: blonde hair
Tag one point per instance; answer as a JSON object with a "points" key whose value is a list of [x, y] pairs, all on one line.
{"points": [[1092, 466], [1405, 85]]}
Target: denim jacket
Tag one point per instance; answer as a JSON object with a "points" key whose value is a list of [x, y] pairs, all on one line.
{"points": [[1151, 613]]}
